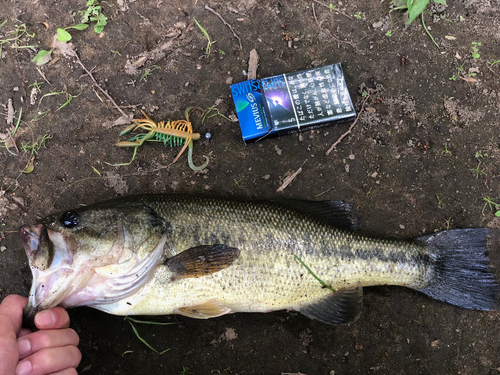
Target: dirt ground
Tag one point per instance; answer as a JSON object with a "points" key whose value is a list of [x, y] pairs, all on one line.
{"points": [[422, 157]]}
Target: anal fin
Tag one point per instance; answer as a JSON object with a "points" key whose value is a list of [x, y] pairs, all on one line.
{"points": [[342, 307], [209, 309]]}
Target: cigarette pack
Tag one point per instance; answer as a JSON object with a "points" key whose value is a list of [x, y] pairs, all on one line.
{"points": [[292, 102]]}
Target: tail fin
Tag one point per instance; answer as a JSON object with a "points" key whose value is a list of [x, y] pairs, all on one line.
{"points": [[462, 273]]}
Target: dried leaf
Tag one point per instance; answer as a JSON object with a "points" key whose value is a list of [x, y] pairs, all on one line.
{"points": [[122, 120], [468, 79], [30, 166], [457, 55], [63, 48], [372, 110], [449, 37]]}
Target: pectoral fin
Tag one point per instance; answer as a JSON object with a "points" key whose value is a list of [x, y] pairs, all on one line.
{"points": [[202, 260], [210, 309], [341, 307]]}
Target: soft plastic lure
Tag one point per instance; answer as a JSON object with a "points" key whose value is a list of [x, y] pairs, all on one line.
{"points": [[173, 133]]}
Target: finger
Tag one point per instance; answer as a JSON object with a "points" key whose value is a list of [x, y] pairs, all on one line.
{"points": [[49, 360], [52, 319], [11, 312], [24, 332], [39, 340]]}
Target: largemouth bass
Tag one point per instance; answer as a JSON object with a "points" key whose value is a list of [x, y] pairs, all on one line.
{"points": [[205, 257]]}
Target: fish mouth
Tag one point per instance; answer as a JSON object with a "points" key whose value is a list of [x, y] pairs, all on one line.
{"points": [[39, 248], [31, 238]]}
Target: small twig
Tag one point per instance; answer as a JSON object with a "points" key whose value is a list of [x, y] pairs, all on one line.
{"points": [[99, 86], [159, 52], [190, 26], [326, 191], [233, 10], [327, 31], [350, 128], [43, 75], [85, 74], [225, 23], [289, 179], [131, 106], [10, 112], [334, 9], [491, 70]]}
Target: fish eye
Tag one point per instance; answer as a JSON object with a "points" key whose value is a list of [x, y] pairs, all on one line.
{"points": [[69, 219]]}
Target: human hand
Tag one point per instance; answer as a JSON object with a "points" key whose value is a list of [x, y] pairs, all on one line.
{"points": [[51, 350]]}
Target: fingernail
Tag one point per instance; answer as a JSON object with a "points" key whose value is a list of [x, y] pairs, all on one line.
{"points": [[23, 368], [45, 319], [24, 347]]}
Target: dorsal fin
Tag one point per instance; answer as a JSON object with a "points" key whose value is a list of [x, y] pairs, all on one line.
{"points": [[340, 214], [341, 307], [202, 260]]}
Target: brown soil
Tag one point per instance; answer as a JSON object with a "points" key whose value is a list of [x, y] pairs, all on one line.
{"points": [[421, 158]]}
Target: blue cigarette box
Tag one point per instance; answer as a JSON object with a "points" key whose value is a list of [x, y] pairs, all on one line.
{"points": [[292, 102]]}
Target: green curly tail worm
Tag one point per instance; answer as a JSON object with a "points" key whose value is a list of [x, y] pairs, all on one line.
{"points": [[190, 159]]}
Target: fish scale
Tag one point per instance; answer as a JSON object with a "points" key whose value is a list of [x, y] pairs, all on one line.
{"points": [[268, 269]]}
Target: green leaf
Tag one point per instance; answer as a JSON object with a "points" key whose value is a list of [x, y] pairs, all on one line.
{"points": [[63, 35], [415, 9], [102, 21], [85, 17], [96, 10], [98, 28], [497, 213], [42, 57], [443, 2], [80, 26]]}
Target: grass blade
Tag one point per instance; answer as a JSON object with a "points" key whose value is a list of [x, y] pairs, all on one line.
{"points": [[427, 31], [151, 322], [142, 340], [18, 122], [325, 285]]}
